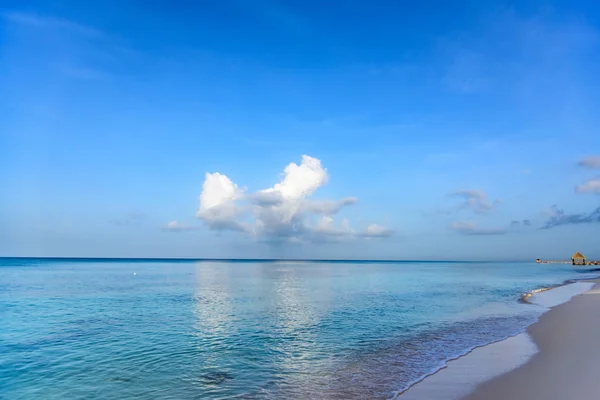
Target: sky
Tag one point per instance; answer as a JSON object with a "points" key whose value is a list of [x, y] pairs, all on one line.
{"points": [[300, 129]]}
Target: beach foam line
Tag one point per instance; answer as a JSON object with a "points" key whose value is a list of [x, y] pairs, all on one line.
{"points": [[459, 376], [560, 295], [553, 296]]}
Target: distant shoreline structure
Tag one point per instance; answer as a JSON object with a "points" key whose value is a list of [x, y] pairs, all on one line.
{"points": [[566, 262], [576, 259]]}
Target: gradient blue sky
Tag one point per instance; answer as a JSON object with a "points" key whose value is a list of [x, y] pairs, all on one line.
{"points": [[465, 131]]}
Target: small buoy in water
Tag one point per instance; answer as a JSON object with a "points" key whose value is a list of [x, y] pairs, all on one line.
{"points": [[135, 273]]}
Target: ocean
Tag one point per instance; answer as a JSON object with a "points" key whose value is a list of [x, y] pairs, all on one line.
{"points": [[171, 329]]}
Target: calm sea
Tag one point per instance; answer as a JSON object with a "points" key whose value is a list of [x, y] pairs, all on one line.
{"points": [[127, 329]]}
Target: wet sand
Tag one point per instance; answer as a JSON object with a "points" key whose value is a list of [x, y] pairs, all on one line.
{"points": [[461, 375], [567, 365]]}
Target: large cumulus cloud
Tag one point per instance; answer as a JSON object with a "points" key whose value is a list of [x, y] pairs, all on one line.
{"points": [[284, 211]]}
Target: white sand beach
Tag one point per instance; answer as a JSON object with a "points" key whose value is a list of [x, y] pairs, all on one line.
{"points": [[556, 358], [566, 366]]}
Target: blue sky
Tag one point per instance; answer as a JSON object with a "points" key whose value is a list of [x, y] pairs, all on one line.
{"points": [[407, 131]]}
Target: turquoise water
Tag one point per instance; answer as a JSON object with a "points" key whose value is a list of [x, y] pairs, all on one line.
{"points": [[127, 329]]}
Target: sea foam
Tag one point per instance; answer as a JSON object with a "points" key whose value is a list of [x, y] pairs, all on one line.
{"points": [[460, 376]]}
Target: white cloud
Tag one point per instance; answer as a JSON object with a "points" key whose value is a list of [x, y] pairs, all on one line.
{"points": [[302, 180], [283, 211], [326, 225], [475, 200], [217, 190], [470, 228], [175, 226], [590, 162], [217, 203], [591, 186], [375, 230]]}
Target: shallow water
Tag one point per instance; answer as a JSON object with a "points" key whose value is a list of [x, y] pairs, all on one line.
{"points": [[189, 330], [462, 375]]}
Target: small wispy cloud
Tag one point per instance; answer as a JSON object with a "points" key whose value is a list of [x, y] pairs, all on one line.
{"points": [[175, 226], [474, 200], [470, 228], [592, 162], [377, 231], [520, 223], [73, 49], [39, 21], [590, 186], [558, 217]]}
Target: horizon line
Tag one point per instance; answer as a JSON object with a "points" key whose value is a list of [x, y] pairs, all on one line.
{"points": [[249, 260]]}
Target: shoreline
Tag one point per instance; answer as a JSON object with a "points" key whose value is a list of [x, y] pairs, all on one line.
{"points": [[428, 382], [565, 365], [400, 394], [526, 296]]}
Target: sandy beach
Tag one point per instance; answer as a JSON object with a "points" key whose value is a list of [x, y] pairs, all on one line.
{"points": [[566, 366]]}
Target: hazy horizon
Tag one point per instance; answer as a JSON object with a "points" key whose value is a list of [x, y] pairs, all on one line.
{"points": [[316, 260]]}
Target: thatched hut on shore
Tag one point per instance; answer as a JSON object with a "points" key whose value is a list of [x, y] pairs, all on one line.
{"points": [[578, 259]]}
